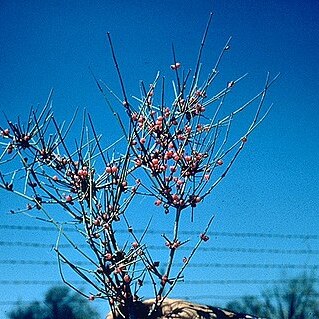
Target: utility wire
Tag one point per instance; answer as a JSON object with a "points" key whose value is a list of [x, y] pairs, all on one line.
{"points": [[191, 265], [184, 232], [246, 250], [157, 247], [188, 282]]}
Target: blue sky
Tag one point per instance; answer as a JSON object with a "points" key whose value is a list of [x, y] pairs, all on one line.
{"points": [[273, 188]]}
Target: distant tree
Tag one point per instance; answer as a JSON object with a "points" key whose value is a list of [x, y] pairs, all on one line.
{"points": [[297, 299], [248, 302], [59, 303], [32, 311]]}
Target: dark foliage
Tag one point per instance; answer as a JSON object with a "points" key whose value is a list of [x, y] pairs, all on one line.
{"points": [[59, 303], [297, 299]]}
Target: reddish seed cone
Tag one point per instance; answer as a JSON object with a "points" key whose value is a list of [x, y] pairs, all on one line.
{"points": [[175, 66], [5, 132], [204, 237], [135, 244], [220, 162], [114, 169], [108, 256], [158, 202], [108, 169], [68, 198]]}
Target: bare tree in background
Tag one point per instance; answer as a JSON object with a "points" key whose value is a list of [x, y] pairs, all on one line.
{"points": [[297, 299], [174, 153]]}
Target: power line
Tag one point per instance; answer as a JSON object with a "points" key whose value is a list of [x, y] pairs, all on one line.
{"points": [[268, 235], [29, 302], [188, 282], [28, 262], [260, 266], [34, 245], [246, 250], [229, 297], [37, 228], [37, 282], [240, 281], [156, 247], [191, 265], [185, 232], [255, 266]]}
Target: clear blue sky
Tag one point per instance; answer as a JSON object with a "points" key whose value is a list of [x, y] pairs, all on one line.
{"points": [[272, 189]]}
